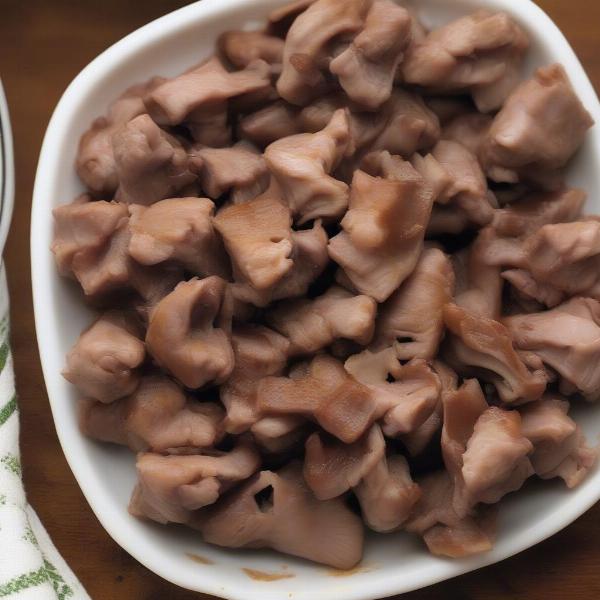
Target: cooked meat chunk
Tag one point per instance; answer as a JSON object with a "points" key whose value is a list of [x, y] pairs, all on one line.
{"points": [[411, 319], [180, 230], [468, 187], [301, 165], [241, 48], [95, 161], [540, 127], [325, 393], [199, 98], [150, 163], [469, 129], [367, 67], [383, 230], [483, 346], [182, 336], [480, 53], [280, 434], [171, 488], [566, 338], [331, 467], [268, 124], [258, 352], [239, 170], [157, 416], [258, 237], [314, 324], [290, 520], [103, 363], [406, 395], [310, 43], [528, 290]]}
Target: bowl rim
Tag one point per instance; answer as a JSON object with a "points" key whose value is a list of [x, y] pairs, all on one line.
{"points": [[379, 587], [7, 170]]}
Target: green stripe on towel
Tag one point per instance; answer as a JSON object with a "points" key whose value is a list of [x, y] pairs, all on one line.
{"points": [[8, 409]]}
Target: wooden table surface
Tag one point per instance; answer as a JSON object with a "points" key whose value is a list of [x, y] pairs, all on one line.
{"points": [[43, 45]]}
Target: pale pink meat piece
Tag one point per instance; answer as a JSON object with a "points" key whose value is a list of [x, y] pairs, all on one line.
{"points": [[268, 124], [280, 434], [411, 319], [258, 352], [150, 163], [199, 98], [311, 325], [302, 164], [383, 230], [171, 488], [310, 43], [469, 129], [483, 346], [290, 519], [183, 335], [566, 338], [481, 53], [468, 187], [157, 416], [103, 363], [239, 170], [180, 230], [241, 48], [528, 290], [540, 127], [258, 237], [331, 468], [95, 160], [326, 393], [406, 395], [366, 68], [288, 12]]}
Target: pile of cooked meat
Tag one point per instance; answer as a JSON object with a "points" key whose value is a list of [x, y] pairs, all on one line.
{"points": [[342, 280]]}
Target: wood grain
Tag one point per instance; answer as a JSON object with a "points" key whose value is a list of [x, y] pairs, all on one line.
{"points": [[43, 45]]}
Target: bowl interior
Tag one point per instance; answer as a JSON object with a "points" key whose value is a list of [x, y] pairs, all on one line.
{"points": [[393, 563]]}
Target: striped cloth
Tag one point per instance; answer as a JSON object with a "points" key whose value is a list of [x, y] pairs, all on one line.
{"points": [[30, 566]]}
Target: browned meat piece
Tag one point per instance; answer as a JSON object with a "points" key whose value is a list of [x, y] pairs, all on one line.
{"points": [[309, 46], [326, 393], [367, 67], [406, 395], [157, 416], [314, 324], [470, 130], [529, 214], [199, 98], [480, 53], [387, 494], [290, 520], [438, 179], [279, 434], [540, 127], [171, 488], [274, 121], [182, 336], [258, 237], [447, 219], [95, 160], [83, 231], [495, 462], [103, 362], [411, 319], [331, 467], [150, 163], [240, 170], [383, 230], [468, 187], [181, 230], [560, 449], [258, 352], [301, 165], [478, 284], [484, 346], [241, 48], [567, 339]]}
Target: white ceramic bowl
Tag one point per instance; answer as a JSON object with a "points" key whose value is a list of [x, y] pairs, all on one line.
{"points": [[393, 563], [7, 175]]}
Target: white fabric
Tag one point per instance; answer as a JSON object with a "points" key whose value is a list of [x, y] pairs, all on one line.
{"points": [[30, 566]]}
